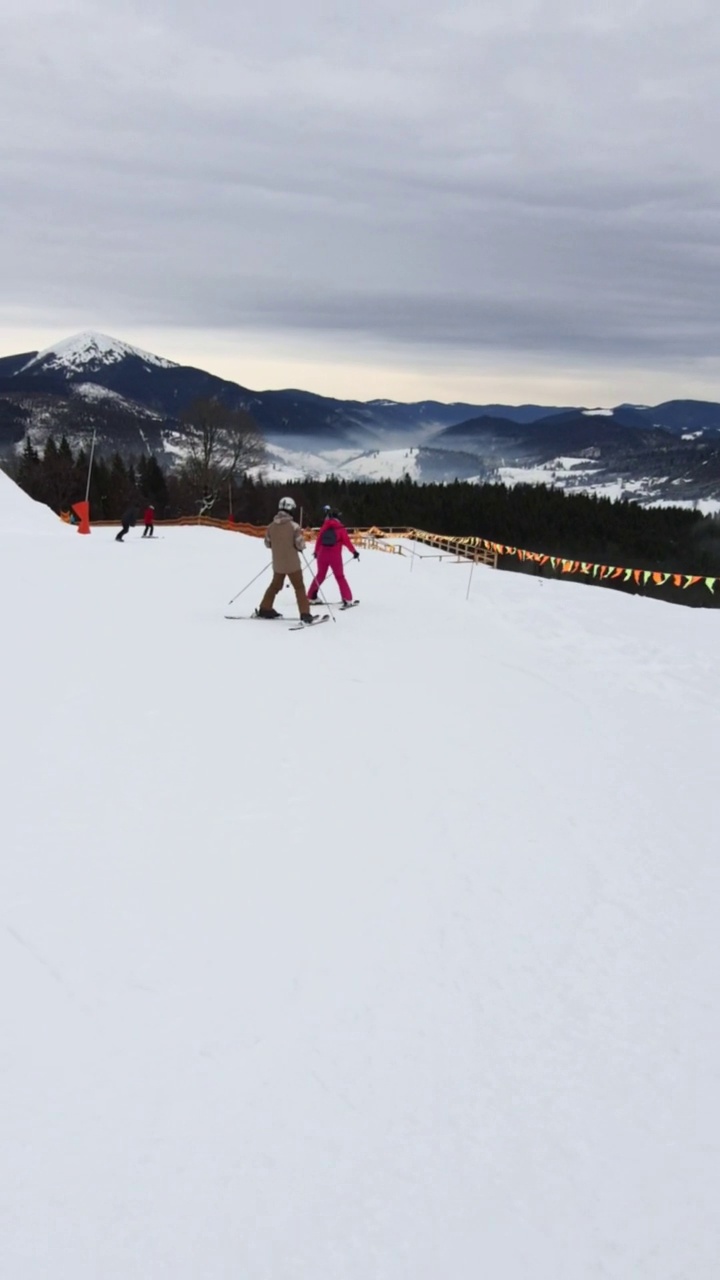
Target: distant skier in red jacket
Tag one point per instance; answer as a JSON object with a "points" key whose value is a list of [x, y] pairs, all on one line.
{"points": [[149, 519], [331, 540]]}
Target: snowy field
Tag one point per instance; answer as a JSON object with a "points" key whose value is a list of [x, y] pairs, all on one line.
{"points": [[387, 951], [349, 464]]}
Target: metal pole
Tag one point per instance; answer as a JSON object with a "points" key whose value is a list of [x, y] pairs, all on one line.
{"points": [[467, 593], [90, 464], [249, 584], [327, 606]]}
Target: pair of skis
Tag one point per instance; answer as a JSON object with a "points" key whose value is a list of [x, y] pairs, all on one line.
{"points": [[325, 617], [342, 605], [296, 626]]}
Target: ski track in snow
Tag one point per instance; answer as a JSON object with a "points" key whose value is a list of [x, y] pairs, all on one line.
{"points": [[390, 954]]}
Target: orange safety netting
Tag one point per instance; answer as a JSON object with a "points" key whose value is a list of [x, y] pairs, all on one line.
{"points": [[466, 547]]}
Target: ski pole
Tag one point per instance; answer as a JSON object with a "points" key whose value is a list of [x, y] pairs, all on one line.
{"points": [[249, 584], [467, 593], [327, 606]]}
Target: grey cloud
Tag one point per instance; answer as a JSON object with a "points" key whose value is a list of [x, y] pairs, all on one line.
{"points": [[527, 180]]}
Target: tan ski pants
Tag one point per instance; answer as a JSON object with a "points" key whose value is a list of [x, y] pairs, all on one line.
{"points": [[276, 583]]}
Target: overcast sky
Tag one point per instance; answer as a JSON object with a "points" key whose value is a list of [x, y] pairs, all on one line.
{"points": [[511, 200]]}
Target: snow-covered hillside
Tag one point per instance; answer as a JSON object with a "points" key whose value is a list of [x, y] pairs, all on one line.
{"points": [[384, 950], [19, 515], [570, 474], [580, 475], [349, 464]]}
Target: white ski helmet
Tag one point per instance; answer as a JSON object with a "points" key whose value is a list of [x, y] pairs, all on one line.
{"points": [[287, 504]]}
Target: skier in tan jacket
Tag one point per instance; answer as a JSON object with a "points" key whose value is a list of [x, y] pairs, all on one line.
{"points": [[284, 538]]}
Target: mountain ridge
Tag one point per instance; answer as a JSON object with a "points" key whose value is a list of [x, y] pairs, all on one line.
{"points": [[134, 400]]}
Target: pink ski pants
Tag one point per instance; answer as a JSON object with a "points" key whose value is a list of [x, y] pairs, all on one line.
{"points": [[330, 558]]}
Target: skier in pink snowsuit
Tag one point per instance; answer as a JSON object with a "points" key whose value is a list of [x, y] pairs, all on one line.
{"points": [[331, 540]]}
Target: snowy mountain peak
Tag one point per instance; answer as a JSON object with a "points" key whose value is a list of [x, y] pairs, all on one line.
{"points": [[88, 352]]}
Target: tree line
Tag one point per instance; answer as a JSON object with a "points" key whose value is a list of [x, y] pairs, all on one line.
{"points": [[537, 518], [216, 444]]}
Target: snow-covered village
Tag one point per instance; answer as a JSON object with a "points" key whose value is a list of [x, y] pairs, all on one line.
{"points": [[390, 952]]}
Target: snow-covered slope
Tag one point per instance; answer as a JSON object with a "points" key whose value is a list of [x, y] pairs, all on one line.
{"points": [[20, 515], [350, 464], [87, 353], [571, 474], [582, 475], [94, 391], [387, 950]]}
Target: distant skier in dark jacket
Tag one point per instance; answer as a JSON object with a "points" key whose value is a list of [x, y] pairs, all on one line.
{"points": [[332, 538], [149, 519], [128, 521]]}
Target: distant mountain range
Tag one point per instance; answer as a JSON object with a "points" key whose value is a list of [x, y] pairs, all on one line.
{"points": [[667, 452]]}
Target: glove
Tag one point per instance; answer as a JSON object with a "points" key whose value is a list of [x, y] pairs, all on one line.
{"points": [[356, 555]]}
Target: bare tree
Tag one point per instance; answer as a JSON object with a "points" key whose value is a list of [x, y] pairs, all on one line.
{"points": [[220, 443]]}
